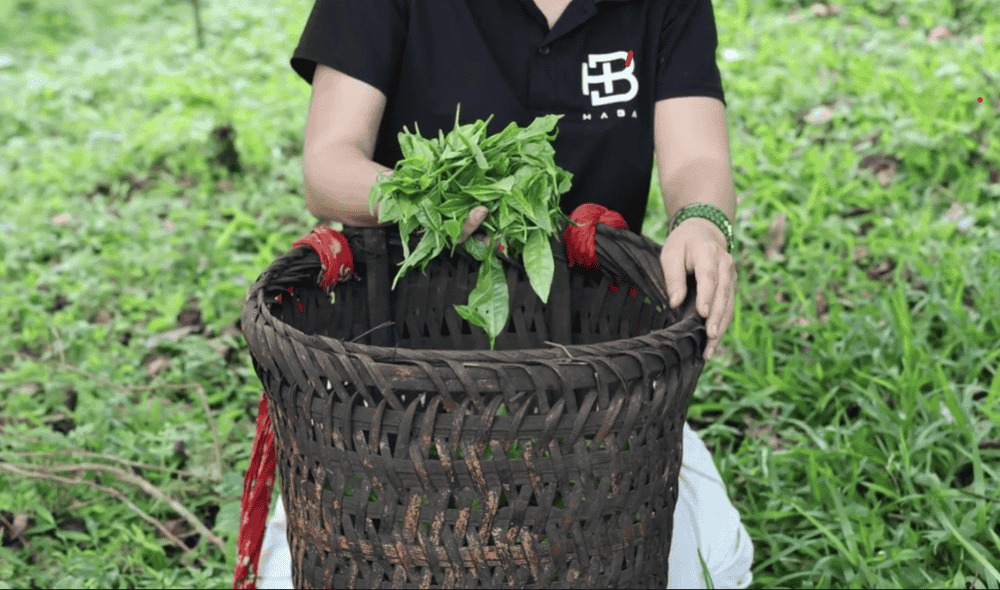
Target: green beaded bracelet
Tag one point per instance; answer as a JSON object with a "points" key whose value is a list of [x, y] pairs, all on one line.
{"points": [[709, 212]]}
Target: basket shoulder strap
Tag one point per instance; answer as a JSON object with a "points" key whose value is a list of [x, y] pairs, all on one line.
{"points": [[379, 298], [558, 315]]}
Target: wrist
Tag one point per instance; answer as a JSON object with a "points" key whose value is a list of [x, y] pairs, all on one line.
{"points": [[708, 212], [707, 228]]}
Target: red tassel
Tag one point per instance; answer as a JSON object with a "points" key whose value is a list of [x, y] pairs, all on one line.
{"points": [[580, 248], [334, 251], [256, 501], [581, 241], [337, 262]]}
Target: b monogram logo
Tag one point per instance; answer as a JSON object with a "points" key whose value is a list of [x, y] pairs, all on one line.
{"points": [[608, 77]]}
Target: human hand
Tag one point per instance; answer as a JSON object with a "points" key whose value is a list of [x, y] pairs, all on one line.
{"points": [[698, 245], [472, 223]]}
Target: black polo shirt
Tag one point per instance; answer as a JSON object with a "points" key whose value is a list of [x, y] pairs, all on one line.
{"points": [[498, 57]]}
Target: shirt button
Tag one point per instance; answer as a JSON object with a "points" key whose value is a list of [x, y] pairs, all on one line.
{"points": [[544, 50]]}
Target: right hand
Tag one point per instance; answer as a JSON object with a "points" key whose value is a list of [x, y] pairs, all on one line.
{"points": [[472, 223]]}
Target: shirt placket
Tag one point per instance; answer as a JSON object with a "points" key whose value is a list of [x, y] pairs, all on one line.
{"points": [[547, 65]]}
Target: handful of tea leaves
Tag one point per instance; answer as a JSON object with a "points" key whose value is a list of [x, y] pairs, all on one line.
{"points": [[439, 181]]}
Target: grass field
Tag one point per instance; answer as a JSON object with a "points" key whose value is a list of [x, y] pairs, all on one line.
{"points": [[853, 408]]}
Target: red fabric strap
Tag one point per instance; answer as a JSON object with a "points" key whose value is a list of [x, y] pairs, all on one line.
{"points": [[257, 486], [334, 254], [337, 263], [581, 242]]}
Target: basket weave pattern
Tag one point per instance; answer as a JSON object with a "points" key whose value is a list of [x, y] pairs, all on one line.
{"points": [[393, 447]]}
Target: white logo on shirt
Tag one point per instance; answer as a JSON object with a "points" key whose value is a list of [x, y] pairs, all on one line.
{"points": [[621, 115], [607, 77]]}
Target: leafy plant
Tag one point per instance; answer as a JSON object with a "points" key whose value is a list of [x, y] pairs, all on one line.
{"points": [[869, 435], [440, 180]]}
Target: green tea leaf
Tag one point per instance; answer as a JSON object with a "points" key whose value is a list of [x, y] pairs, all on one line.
{"points": [[453, 229], [457, 206], [428, 217], [389, 209], [478, 153], [477, 249], [436, 185], [539, 263], [502, 140], [505, 216], [506, 184], [420, 254], [416, 162], [490, 297], [483, 193], [470, 315], [542, 217]]}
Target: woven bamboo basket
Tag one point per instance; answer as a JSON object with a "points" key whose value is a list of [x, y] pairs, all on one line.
{"points": [[413, 456]]}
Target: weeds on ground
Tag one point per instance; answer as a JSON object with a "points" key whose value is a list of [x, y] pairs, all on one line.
{"points": [[853, 408]]}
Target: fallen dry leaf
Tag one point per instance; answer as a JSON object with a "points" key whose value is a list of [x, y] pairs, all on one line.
{"points": [[939, 32], [881, 271], [854, 212], [868, 142], [179, 527], [860, 252], [820, 10], [884, 167], [828, 75], [189, 317], [171, 336], [159, 364], [957, 213], [230, 355], [969, 295], [30, 388], [877, 162], [908, 275], [764, 431], [16, 525], [776, 234], [62, 218], [818, 116], [20, 525]]}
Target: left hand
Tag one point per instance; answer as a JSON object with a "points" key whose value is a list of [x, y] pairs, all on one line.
{"points": [[697, 245]]}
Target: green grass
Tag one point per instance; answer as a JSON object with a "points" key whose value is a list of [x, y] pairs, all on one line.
{"points": [[853, 408]]}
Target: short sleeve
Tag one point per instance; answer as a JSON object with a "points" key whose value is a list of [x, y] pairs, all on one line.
{"points": [[688, 42], [361, 38]]}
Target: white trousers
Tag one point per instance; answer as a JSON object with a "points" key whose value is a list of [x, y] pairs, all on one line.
{"points": [[704, 520]]}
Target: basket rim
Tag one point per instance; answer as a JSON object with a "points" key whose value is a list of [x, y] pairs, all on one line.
{"points": [[689, 320]]}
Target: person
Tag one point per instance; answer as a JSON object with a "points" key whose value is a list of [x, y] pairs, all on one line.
{"points": [[629, 76]]}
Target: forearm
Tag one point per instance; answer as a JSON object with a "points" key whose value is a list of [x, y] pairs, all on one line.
{"points": [[337, 184], [700, 181]]}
